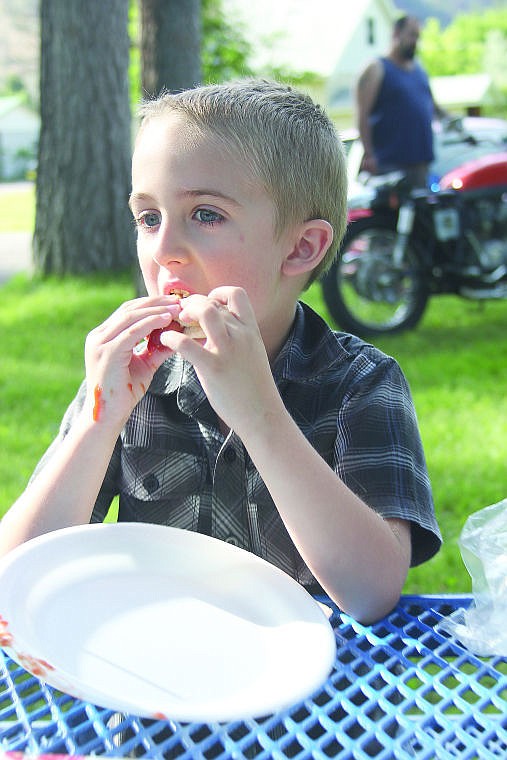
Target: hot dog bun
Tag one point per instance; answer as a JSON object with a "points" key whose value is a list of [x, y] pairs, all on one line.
{"points": [[193, 330]]}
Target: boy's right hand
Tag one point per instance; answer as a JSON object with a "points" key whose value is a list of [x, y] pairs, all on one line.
{"points": [[231, 360], [118, 369]]}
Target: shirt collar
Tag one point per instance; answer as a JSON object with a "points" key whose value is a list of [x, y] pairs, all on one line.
{"points": [[310, 349], [178, 376]]}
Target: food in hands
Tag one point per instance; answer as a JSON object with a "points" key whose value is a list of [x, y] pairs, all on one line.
{"points": [[154, 342], [193, 330]]}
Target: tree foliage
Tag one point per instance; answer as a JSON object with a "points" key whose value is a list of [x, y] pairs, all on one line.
{"points": [[225, 51], [462, 47], [474, 43]]}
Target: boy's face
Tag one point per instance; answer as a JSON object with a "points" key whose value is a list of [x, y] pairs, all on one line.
{"points": [[202, 221]]}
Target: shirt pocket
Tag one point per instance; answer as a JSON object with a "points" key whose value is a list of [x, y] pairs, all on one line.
{"points": [[149, 474]]}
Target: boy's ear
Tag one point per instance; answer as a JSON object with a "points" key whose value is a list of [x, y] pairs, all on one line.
{"points": [[310, 246]]}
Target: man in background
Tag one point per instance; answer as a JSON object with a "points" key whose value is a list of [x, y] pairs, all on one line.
{"points": [[395, 108]]}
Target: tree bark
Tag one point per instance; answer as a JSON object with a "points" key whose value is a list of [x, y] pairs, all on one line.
{"points": [[170, 45], [170, 53], [83, 180]]}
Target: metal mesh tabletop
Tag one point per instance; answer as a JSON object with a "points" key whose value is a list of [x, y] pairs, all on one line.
{"points": [[398, 689]]}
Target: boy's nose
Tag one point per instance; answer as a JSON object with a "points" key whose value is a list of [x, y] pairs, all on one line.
{"points": [[170, 246]]}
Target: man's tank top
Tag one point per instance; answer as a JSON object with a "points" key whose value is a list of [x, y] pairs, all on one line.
{"points": [[401, 117]]}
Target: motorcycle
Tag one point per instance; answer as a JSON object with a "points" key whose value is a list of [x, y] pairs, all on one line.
{"points": [[404, 245]]}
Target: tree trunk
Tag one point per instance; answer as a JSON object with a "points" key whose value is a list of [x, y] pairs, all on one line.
{"points": [[83, 180], [170, 45], [170, 53]]}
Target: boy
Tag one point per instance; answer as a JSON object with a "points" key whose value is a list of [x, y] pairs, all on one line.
{"points": [[271, 431]]}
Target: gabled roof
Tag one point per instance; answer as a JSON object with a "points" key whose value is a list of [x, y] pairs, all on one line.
{"points": [[461, 89]]}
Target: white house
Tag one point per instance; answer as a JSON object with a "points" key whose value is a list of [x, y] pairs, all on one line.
{"points": [[19, 133], [463, 92], [334, 38], [310, 36], [366, 34]]}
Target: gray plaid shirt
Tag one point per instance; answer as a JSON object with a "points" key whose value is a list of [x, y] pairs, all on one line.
{"points": [[173, 466]]}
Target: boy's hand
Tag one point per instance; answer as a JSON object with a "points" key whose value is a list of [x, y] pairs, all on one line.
{"points": [[231, 361], [119, 368]]}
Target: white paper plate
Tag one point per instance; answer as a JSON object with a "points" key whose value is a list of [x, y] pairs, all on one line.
{"points": [[162, 622]]}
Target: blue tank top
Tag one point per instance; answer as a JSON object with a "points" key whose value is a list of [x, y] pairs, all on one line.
{"points": [[401, 117]]}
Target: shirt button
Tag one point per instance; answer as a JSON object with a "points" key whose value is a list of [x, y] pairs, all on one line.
{"points": [[229, 455], [151, 483], [232, 540]]}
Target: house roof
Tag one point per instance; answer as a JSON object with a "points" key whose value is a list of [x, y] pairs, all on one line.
{"points": [[17, 117], [461, 89], [10, 102]]}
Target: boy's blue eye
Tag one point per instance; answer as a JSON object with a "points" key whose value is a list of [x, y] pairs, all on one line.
{"points": [[148, 219], [206, 216]]}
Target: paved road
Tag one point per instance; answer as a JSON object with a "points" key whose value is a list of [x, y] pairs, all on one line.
{"points": [[15, 254], [15, 247]]}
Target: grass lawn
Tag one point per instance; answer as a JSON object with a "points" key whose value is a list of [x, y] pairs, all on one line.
{"points": [[455, 362]]}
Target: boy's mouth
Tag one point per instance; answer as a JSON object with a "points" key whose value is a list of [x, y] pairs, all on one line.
{"points": [[179, 292]]}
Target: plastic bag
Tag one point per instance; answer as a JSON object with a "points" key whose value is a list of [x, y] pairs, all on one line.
{"points": [[482, 627]]}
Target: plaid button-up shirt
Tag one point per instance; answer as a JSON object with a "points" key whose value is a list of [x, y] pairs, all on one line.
{"points": [[173, 466]]}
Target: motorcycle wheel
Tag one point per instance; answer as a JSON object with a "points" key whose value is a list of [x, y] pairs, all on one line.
{"points": [[365, 292]]}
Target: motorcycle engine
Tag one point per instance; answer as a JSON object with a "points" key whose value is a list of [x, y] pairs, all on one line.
{"points": [[487, 230]]}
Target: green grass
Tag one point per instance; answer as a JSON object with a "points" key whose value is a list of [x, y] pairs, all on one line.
{"points": [[44, 324], [455, 362]]}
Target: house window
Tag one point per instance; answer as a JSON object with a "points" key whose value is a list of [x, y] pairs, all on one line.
{"points": [[370, 31]]}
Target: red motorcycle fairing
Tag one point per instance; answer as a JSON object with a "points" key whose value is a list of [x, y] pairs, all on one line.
{"points": [[488, 171], [358, 213]]}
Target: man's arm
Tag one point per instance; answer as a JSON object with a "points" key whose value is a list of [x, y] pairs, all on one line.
{"points": [[368, 87], [440, 112]]}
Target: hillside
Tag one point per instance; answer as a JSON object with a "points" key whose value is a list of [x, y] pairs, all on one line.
{"points": [[444, 12]]}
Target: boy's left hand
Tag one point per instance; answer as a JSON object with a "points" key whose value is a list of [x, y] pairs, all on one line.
{"points": [[231, 361]]}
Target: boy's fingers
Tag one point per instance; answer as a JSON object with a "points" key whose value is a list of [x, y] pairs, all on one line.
{"points": [[203, 311], [134, 324], [235, 300], [189, 348]]}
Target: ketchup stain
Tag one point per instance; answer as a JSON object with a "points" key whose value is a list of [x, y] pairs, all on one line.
{"points": [[154, 343], [99, 403]]}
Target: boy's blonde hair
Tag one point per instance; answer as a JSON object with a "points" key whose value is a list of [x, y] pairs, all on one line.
{"points": [[284, 139]]}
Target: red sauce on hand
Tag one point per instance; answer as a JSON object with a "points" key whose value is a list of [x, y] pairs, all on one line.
{"points": [[99, 403]]}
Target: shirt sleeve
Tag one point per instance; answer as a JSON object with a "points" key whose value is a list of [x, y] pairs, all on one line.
{"points": [[379, 452], [109, 488]]}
